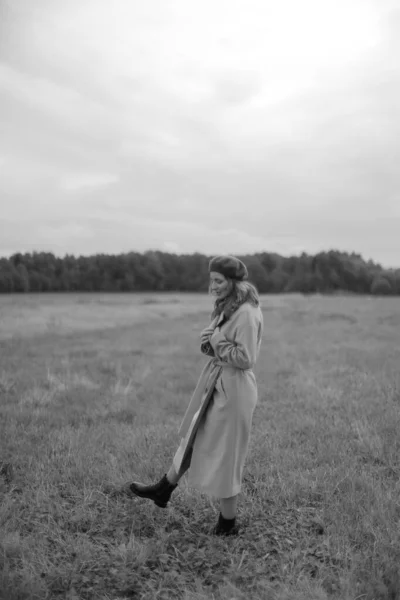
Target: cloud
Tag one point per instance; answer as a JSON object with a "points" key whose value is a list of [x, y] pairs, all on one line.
{"points": [[80, 181], [21, 174], [172, 247], [55, 100], [93, 234], [257, 124], [61, 233]]}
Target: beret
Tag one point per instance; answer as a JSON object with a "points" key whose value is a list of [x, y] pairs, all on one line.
{"points": [[229, 266]]}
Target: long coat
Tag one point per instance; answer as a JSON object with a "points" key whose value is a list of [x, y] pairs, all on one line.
{"points": [[221, 442]]}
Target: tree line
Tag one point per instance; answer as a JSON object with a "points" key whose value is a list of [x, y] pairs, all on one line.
{"points": [[325, 272]]}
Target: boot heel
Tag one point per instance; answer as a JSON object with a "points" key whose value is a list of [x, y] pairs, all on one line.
{"points": [[160, 503], [159, 493]]}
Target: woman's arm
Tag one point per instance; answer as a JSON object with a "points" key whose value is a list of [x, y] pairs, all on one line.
{"points": [[242, 353]]}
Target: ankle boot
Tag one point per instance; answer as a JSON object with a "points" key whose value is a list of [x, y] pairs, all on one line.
{"points": [[160, 492], [225, 526]]}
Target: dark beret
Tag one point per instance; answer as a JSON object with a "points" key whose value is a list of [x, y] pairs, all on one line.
{"points": [[229, 266]]}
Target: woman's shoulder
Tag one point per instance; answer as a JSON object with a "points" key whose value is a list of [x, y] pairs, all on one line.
{"points": [[248, 308]]}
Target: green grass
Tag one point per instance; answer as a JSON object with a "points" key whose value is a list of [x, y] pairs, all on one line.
{"points": [[92, 391]]}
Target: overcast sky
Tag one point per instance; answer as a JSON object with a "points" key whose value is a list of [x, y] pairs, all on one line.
{"points": [[200, 125]]}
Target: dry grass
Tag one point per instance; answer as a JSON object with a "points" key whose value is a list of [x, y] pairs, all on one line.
{"points": [[92, 390]]}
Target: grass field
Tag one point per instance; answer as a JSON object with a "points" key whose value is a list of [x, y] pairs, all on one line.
{"points": [[92, 391]]}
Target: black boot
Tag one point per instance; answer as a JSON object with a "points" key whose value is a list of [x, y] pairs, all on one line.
{"points": [[160, 492], [225, 526]]}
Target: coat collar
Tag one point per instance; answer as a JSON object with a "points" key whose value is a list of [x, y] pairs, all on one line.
{"points": [[221, 318]]}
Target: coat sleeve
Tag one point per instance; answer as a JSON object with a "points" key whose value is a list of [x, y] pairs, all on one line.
{"points": [[242, 353]]}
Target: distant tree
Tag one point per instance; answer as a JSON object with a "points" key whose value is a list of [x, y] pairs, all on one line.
{"points": [[127, 284], [6, 278], [268, 261], [154, 269], [278, 280], [21, 278], [257, 273], [45, 283], [197, 271], [307, 283], [391, 277], [396, 285], [290, 264], [381, 286], [325, 272]]}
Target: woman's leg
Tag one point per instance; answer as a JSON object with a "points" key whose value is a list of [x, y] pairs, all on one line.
{"points": [[172, 476], [229, 507], [227, 517]]}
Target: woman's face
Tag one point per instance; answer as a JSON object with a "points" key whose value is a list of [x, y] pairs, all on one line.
{"points": [[220, 286]]}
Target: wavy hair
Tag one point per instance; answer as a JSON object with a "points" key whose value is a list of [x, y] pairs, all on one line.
{"points": [[242, 291]]}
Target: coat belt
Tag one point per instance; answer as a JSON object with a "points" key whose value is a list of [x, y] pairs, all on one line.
{"points": [[219, 363]]}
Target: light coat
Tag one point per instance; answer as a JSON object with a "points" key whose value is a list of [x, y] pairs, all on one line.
{"points": [[222, 439]]}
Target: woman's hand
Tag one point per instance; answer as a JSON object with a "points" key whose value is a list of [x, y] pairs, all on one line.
{"points": [[206, 334]]}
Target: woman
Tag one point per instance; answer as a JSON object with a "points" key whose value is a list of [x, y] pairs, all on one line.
{"points": [[217, 455]]}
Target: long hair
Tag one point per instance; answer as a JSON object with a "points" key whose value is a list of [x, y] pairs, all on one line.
{"points": [[242, 291]]}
